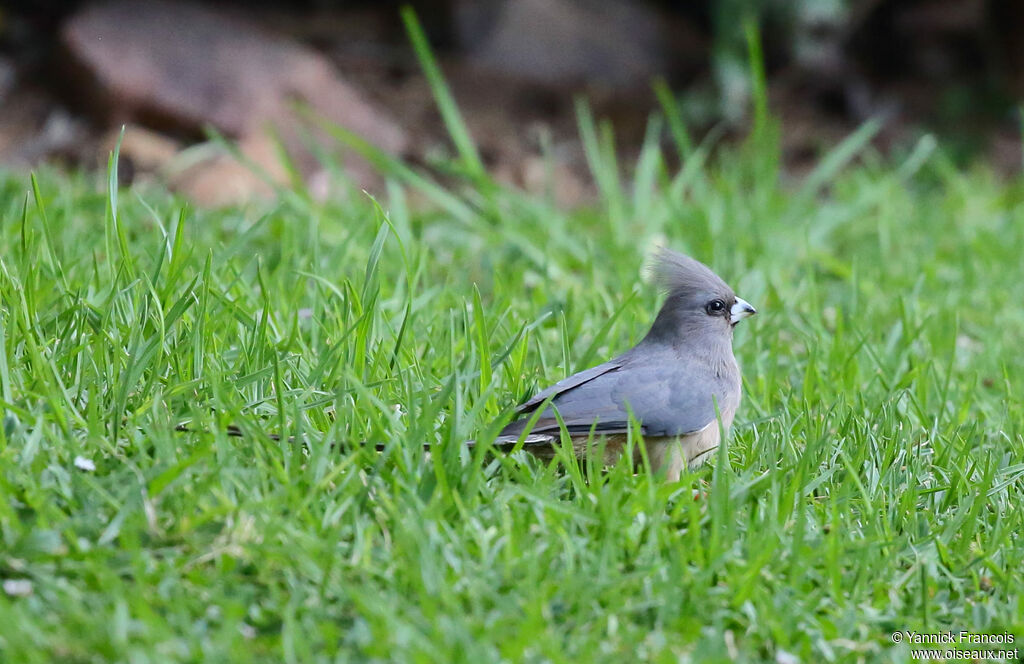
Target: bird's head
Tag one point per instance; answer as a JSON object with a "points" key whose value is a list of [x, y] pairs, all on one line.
{"points": [[698, 302]]}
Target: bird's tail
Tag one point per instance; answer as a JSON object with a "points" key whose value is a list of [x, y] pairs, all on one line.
{"points": [[504, 443]]}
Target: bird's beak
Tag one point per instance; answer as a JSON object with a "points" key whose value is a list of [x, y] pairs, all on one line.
{"points": [[742, 309]]}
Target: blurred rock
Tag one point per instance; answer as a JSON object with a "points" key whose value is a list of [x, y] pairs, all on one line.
{"points": [[217, 178], [192, 66], [606, 43], [181, 67], [143, 151]]}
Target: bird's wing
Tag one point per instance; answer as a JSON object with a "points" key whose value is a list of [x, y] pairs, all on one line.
{"points": [[569, 383], [558, 392], [667, 395]]}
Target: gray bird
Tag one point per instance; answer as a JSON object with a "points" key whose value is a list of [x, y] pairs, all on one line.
{"points": [[670, 383]]}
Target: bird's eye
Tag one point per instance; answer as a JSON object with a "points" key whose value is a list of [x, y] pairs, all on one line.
{"points": [[715, 307]]}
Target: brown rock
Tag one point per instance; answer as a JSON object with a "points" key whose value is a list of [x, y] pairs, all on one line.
{"points": [[145, 151], [218, 178], [183, 66]]}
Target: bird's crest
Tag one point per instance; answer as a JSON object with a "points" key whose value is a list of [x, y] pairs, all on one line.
{"points": [[676, 273]]}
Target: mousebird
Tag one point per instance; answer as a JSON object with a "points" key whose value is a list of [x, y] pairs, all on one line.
{"points": [[678, 383]]}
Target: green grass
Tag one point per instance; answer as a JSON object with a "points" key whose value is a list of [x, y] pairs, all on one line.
{"points": [[873, 482]]}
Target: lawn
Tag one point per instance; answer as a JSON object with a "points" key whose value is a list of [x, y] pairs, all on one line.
{"points": [[873, 482]]}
